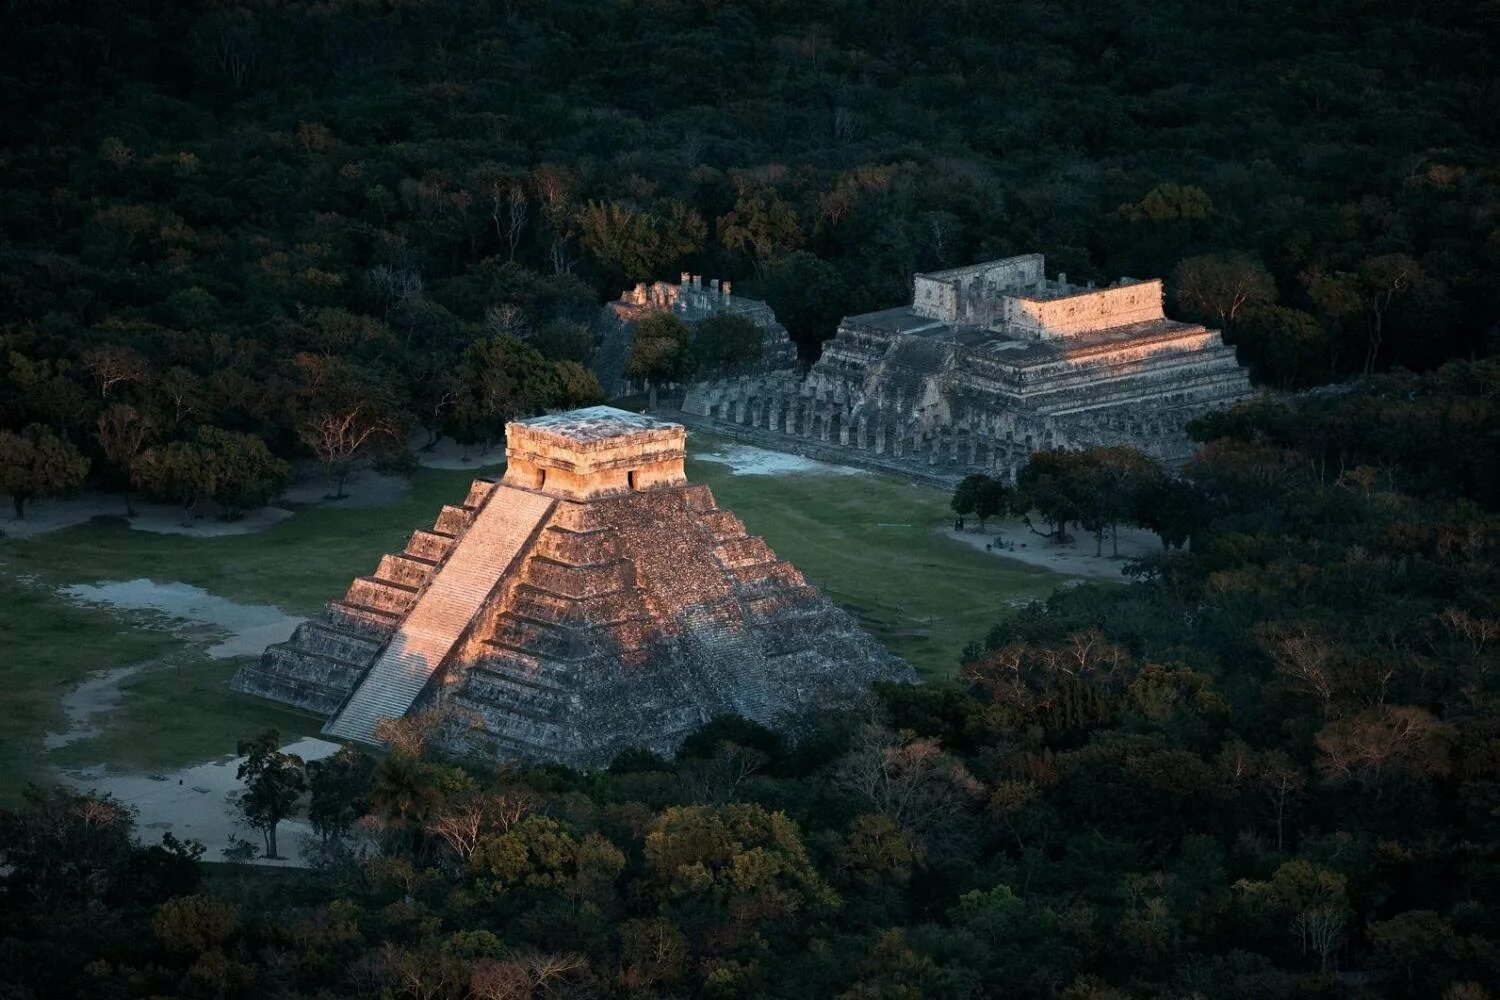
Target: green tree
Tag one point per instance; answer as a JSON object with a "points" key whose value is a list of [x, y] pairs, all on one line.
{"points": [[340, 788], [1220, 287], [182, 471], [726, 344], [247, 475], [502, 378], [406, 792], [192, 925], [123, 432], [661, 351], [632, 244], [993, 498], [762, 224], [37, 463], [1049, 485], [1285, 347], [563, 340], [980, 495], [748, 865], [966, 494], [539, 853], [274, 781], [236, 471]]}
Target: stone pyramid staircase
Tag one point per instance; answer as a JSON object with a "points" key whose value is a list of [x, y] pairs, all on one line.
{"points": [[437, 618]]}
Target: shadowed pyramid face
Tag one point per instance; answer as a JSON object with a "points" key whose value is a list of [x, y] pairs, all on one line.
{"points": [[592, 601], [595, 452]]}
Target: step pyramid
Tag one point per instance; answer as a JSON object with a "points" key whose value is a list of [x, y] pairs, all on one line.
{"points": [[591, 601]]}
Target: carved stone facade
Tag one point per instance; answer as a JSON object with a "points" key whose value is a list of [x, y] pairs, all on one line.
{"points": [[989, 363], [691, 300], [590, 601]]}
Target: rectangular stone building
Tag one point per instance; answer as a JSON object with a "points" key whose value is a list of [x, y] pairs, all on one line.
{"points": [[988, 363]]}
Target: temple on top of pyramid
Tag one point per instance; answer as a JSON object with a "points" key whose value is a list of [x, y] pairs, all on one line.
{"points": [[590, 601]]}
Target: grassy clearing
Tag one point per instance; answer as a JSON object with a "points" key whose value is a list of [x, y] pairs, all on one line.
{"points": [[297, 564], [175, 711], [51, 646], [180, 711], [870, 541]]}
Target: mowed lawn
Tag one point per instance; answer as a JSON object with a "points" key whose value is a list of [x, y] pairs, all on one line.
{"points": [[869, 541]]}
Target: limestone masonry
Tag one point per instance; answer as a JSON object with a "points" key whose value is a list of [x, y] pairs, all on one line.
{"points": [[989, 363], [590, 601]]}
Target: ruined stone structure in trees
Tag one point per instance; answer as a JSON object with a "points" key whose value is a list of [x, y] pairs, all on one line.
{"points": [[589, 601], [690, 300], [989, 363]]}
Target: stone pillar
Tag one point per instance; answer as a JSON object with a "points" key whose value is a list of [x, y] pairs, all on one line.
{"points": [[844, 430], [880, 438], [738, 411], [755, 405], [900, 443], [825, 420]]}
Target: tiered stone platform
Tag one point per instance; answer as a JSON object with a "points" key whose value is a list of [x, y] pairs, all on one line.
{"points": [[621, 607], [988, 364]]}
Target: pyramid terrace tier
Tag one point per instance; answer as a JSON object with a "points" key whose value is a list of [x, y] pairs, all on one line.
{"points": [[565, 628]]}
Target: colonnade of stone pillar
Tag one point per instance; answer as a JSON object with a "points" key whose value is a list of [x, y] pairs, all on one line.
{"points": [[981, 442]]}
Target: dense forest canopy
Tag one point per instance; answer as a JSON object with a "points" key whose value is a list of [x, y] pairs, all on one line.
{"points": [[235, 233], [1269, 768], [223, 193]]}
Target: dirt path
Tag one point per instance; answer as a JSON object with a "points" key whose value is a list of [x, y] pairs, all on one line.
{"points": [[1076, 558]]}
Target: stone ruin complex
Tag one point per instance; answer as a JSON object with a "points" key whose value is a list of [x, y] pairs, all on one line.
{"points": [[691, 301], [591, 600], [989, 363]]}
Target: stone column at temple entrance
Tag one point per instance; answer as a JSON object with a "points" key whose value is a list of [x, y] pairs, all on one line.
{"points": [[755, 412], [737, 412], [880, 438]]}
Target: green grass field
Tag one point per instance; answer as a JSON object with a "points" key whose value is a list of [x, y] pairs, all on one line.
{"points": [[869, 541]]}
